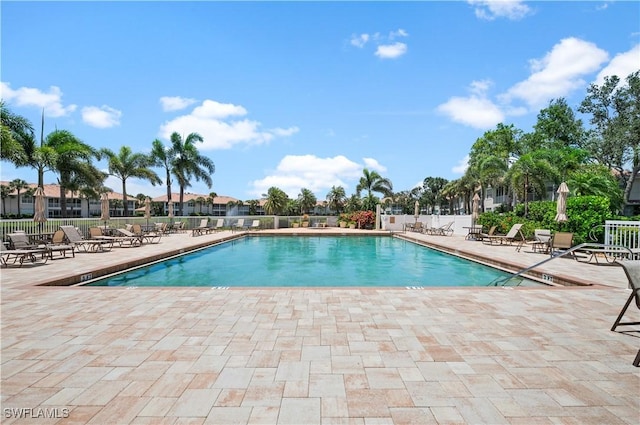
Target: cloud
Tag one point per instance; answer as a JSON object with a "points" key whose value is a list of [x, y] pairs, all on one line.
{"points": [[175, 103], [491, 9], [101, 117], [476, 110], [359, 40], [391, 51], [461, 166], [215, 122], [374, 165], [621, 65], [295, 172], [559, 73], [50, 101]]}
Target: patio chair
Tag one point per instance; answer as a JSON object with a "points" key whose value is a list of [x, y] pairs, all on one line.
{"points": [[490, 233], [418, 227], [255, 225], [87, 245], [148, 237], [219, 224], [445, 230], [632, 270], [57, 245], [11, 256], [509, 238], [542, 240], [560, 242], [20, 240], [122, 241]]}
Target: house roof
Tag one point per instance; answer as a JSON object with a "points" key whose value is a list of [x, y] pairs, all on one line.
{"points": [[53, 191]]}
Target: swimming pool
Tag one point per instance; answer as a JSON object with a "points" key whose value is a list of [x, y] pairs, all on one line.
{"points": [[307, 261]]}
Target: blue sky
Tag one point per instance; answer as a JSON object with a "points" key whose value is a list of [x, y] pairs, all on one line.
{"points": [[301, 94]]}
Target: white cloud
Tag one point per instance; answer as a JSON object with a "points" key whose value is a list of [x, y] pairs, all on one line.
{"points": [[621, 65], [295, 172], [474, 111], [50, 101], [101, 117], [213, 121], [461, 166], [559, 73], [391, 51], [492, 9], [175, 103], [399, 33], [374, 165], [359, 40]]}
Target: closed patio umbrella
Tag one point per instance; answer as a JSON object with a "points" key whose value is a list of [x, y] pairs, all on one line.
{"points": [[476, 206], [147, 210], [104, 209], [38, 210], [416, 210], [561, 207]]}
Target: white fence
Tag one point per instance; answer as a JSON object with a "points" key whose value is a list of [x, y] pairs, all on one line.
{"points": [[625, 233], [396, 222]]}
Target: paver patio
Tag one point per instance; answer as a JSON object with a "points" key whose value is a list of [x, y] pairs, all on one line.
{"points": [[316, 356]]}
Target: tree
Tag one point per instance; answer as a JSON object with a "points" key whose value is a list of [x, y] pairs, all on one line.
{"points": [[211, 199], [371, 182], [529, 173], [614, 140], [200, 200], [276, 201], [18, 185], [432, 186], [596, 180], [13, 130], [188, 163], [336, 198], [307, 200], [163, 157], [71, 159], [5, 191], [126, 164], [253, 206]]}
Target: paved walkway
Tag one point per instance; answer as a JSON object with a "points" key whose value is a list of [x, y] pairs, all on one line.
{"points": [[316, 356]]}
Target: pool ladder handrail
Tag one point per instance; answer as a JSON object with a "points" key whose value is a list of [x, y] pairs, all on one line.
{"points": [[502, 281]]}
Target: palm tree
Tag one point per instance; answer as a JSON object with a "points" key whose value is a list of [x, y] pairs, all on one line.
{"points": [[211, 198], [18, 185], [13, 130], [71, 159], [126, 164], [200, 200], [163, 157], [276, 201], [307, 200], [188, 163], [530, 172], [337, 198], [5, 191], [371, 181]]}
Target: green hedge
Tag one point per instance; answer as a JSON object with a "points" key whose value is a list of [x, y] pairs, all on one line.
{"points": [[584, 213]]}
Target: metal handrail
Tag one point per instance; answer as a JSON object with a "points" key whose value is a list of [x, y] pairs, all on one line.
{"points": [[501, 281]]}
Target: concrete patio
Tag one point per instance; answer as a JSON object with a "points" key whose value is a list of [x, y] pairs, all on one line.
{"points": [[75, 355]]}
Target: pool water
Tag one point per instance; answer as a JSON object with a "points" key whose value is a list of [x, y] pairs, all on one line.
{"points": [[323, 261]]}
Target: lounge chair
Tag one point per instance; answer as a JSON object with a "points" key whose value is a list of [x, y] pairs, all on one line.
{"points": [[560, 242], [542, 240], [490, 233], [239, 225], [88, 245], [418, 227], [255, 225], [148, 237], [57, 245], [219, 224], [20, 256], [445, 230], [202, 228], [632, 270], [122, 241], [20, 240], [509, 238]]}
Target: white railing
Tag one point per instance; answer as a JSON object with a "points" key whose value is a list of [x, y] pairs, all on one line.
{"points": [[625, 233], [397, 222]]}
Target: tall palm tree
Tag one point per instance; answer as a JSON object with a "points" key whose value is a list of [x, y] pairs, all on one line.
{"points": [[307, 200], [189, 163], [126, 164], [371, 181], [13, 130], [18, 185], [211, 199], [5, 191], [530, 172], [337, 198], [71, 159], [200, 200], [276, 201], [162, 156]]}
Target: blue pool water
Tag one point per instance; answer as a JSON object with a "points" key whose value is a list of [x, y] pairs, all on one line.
{"points": [[322, 261]]}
